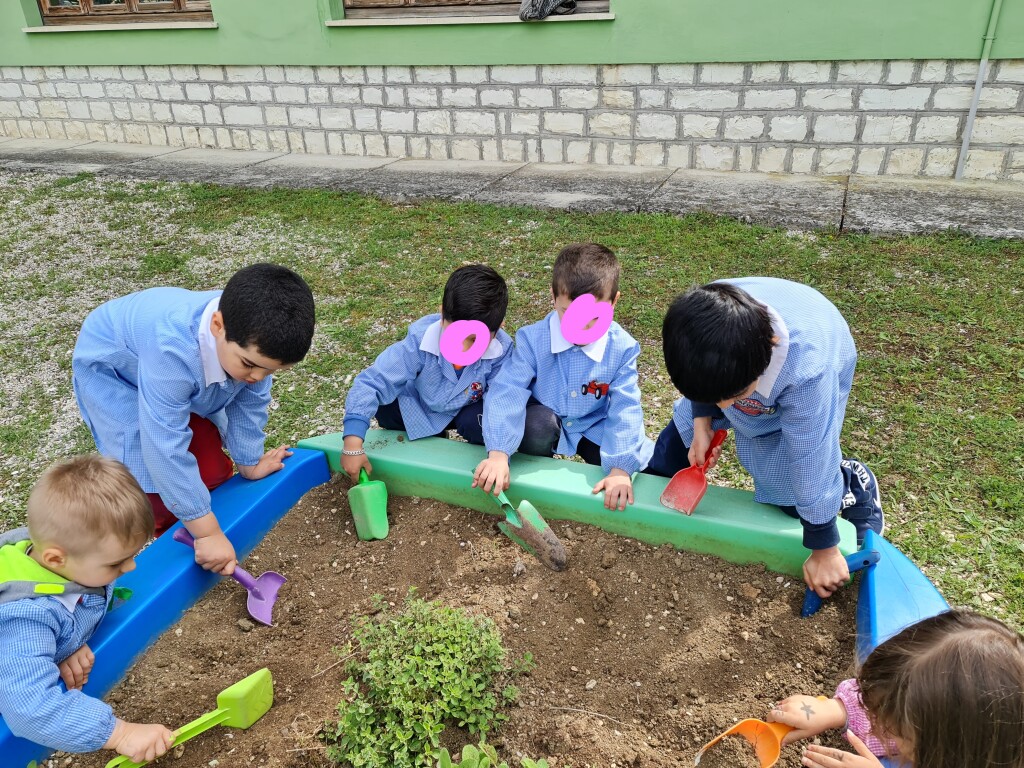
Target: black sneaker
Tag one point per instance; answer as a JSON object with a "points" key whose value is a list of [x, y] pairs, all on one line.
{"points": [[862, 504]]}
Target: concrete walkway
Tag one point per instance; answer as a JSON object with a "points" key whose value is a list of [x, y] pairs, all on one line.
{"points": [[853, 204]]}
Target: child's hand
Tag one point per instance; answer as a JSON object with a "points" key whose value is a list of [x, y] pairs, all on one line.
{"points": [[75, 669], [493, 471], [215, 553], [702, 435], [352, 464], [826, 570], [618, 489], [140, 742], [269, 463], [808, 716], [826, 757]]}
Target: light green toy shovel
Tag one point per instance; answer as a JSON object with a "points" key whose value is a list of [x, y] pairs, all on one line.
{"points": [[369, 502], [238, 706]]}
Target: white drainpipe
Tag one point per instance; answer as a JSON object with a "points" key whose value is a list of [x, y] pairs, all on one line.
{"points": [[990, 35]]}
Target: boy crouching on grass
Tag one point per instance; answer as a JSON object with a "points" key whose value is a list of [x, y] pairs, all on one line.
{"points": [[167, 378], [87, 520]]}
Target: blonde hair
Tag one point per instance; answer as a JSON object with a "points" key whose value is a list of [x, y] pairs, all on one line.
{"points": [[84, 499]]}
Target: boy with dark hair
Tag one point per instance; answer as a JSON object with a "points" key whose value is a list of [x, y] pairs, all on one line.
{"points": [[412, 387], [161, 375], [554, 396], [87, 520], [774, 360]]}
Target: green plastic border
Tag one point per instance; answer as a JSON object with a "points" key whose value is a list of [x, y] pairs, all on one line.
{"points": [[728, 524]]}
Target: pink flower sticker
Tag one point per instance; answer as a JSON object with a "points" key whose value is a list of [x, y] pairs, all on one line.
{"points": [[583, 311], [453, 339]]}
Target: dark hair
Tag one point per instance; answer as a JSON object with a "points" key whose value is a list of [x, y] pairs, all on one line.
{"points": [[952, 686], [475, 292], [270, 307], [585, 268], [717, 341]]}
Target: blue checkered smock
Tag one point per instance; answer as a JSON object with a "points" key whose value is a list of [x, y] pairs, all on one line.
{"points": [[787, 431], [37, 634], [567, 379], [138, 374], [430, 392]]}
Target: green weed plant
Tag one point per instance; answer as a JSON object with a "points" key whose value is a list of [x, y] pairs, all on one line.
{"points": [[413, 672], [483, 756]]}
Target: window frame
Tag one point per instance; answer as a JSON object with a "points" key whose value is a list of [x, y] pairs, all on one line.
{"points": [[124, 12], [426, 11]]}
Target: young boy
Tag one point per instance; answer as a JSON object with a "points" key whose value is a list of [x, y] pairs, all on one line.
{"points": [[162, 374], [774, 360], [87, 520], [554, 396], [412, 387]]}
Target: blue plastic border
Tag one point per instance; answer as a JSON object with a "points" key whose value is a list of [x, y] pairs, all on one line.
{"points": [[167, 582]]}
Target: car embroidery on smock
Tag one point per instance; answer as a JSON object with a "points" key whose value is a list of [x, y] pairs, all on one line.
{"points": [[752, 407]]}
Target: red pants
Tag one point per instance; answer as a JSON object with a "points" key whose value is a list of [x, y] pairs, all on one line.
{"points": [[215, 467]]}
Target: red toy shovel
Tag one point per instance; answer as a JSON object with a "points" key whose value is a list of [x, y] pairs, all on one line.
{"points": [[686, 488]]}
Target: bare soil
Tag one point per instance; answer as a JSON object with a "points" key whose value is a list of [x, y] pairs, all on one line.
{"points": [[643, 654]]}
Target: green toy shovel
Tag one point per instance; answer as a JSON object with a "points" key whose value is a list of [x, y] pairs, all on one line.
{"points": [[238, 706], [368, 500], [530, 531]]}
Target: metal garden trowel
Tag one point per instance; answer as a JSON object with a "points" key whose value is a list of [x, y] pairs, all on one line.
{"points": [[529, 530], [238, 706]]}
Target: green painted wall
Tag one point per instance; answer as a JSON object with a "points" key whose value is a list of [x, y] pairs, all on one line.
{"points": [[644, 31]]}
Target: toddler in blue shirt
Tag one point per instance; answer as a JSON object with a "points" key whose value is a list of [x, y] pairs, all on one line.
{"points": [[412, 387], [554, 396], [161, 376], [87, 520]]}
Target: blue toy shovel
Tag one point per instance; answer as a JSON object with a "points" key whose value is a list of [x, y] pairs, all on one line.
{"points": [[855, 562]]}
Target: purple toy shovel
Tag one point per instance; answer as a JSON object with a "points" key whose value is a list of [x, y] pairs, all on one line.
{"points": [[262, 590]]}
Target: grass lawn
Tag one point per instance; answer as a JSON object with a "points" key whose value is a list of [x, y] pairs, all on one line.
{"points": [[937, 408]]}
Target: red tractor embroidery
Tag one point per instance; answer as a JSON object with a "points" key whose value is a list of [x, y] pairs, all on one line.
{"points": [[595, 389]]}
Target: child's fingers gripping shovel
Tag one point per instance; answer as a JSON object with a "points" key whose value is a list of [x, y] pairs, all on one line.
{"points": [[854, 562], [766, 739], [262, 589], [686, 488], [529, 530], [238, 706]]}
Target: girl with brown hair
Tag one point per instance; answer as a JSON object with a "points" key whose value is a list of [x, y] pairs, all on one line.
{"points": [[947, 692]]}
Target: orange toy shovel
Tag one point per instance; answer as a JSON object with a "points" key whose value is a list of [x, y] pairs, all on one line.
{"points": [[686, 488], [766, 738]]}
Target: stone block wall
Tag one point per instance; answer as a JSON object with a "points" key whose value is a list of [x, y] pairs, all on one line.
{"points": [[901, 118]]}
